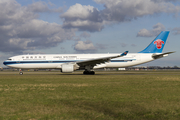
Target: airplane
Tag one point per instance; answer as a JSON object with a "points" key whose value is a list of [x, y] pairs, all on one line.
{"points": [[68, 63]]}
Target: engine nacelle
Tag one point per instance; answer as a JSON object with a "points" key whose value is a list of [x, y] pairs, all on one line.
{"points": [[67, 68]]}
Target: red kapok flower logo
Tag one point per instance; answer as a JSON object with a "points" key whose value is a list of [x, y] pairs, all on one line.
{"points": [[159, 43]]}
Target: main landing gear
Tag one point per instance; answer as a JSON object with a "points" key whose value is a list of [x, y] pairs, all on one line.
{"points": [[20, 72], [88, 72]]}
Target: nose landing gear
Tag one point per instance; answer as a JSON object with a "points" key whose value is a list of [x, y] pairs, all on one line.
{"points": [[20, 72]]}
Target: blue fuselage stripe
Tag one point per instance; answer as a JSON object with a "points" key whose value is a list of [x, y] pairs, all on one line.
{"points": [[49, 61]]}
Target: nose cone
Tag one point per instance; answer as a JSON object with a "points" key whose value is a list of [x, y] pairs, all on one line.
{"points": [[5, 62]]}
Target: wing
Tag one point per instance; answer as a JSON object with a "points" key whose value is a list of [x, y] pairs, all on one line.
{"points": [[93, 62], [157, 56]]}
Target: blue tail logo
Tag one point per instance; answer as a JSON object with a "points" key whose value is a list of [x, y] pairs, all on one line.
{"points": [[157, 45]]}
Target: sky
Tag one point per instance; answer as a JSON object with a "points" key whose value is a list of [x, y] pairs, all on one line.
{"points": [[88, 26]]}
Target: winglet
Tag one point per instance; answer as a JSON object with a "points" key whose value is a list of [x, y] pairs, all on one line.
{"points": [[124, 53]]}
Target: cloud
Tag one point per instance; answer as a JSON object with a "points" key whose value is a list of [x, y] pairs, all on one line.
{"points": [[133, 45], [84, 46], [165, 0], [150, 33], [43, 7], [85, 35], [20, 28], [123, 44], [101, 46], [82, 17], [176, 30], [39, 7], [127, 10], [89, 18], [33, 52], [88, 47]]}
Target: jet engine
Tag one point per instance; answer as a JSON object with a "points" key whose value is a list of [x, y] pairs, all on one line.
{"points": [[68, 68]]}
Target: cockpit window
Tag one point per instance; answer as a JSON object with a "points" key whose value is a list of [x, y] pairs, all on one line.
{"points": [[9, 59]]}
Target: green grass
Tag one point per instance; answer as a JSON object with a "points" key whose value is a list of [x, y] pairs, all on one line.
{"points": [[127, 95]]}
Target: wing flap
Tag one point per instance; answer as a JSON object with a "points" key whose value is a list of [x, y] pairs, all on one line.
{"points": [[93, 62]]}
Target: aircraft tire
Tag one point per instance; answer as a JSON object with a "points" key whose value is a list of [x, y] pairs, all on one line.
{"points": [[21, 73], [92, 72], [88, 72]]}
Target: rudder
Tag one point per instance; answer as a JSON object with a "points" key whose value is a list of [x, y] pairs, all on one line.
{"points": [[157, 45]]}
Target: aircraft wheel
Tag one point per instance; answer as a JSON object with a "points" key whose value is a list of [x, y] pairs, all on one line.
{"points": [[21, 73], [92, 72], [88, 72], [85, 72]]}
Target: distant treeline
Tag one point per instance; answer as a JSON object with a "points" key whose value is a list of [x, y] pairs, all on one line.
{"points": [[155, 67]]}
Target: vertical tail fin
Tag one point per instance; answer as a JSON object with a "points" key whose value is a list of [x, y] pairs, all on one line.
{"points": [[157, 45]]}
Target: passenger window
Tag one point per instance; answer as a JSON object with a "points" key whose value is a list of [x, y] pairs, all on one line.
{"points": [[31, 56], [27, 56]]}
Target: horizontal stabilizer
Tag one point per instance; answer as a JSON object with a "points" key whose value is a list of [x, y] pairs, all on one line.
{"points": [[157, 56]]}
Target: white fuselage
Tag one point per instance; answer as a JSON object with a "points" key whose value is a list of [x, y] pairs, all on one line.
{"points": [[54, 61]]}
